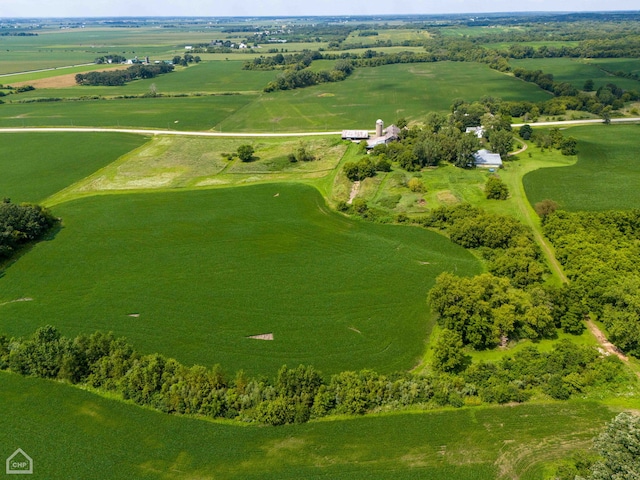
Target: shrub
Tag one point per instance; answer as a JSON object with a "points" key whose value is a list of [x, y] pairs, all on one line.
{"points": [[496, 189]]}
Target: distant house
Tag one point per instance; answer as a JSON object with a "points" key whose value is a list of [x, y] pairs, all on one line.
{"points": [[477, 131], [486, 159], [391, 134]]}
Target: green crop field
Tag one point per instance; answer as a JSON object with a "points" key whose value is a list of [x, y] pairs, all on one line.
{"points": [[65, 430], [205, 77], [36, 165], [206, 269], [387, 92], [627, 65], [63, 47], [575, 71], [537, 44], [605, 177], [181, 113]]}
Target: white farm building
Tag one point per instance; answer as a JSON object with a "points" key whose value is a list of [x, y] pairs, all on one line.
{"points": [[485, 158]]}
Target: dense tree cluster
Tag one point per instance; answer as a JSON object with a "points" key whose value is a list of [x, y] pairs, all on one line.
{"points": [[20, 224], [297, 61], [487, 311], [113, 78], [600, 254], [112, 58], [422, 146], [296, 395], [365, 168], [294, 78], [507, 244]]}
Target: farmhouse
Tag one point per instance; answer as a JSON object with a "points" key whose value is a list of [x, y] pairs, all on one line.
{"points": [[477, 131], [383, 136], [486, 159]]}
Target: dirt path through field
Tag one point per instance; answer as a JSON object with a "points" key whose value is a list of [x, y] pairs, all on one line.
{"points": [[606, 344], [355, 188]]}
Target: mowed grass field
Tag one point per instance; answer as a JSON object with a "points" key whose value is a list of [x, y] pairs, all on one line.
{"points": [[65, 431], [576, 72], [203, 270], [606, 176], [34, 166]]}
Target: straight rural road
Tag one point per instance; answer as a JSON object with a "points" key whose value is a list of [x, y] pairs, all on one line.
{"points": [[145, 131]]}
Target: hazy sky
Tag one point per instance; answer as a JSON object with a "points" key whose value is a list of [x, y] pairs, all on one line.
{"points": [[213, 8]]}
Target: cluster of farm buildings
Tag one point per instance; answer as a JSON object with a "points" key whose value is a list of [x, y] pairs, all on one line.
{"points": [[482, 158]]}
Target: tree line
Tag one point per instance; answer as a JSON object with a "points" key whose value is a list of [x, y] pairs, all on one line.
{"points": [[120, 77], [296, 395]]}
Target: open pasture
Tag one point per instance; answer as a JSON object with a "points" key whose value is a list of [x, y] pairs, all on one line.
{"points": [[575, 71], [203, 270], [606, 176], [179, 162], [468, 444], [388, 92], [34, 166]]}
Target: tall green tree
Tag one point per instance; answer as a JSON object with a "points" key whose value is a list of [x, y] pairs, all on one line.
{"points": [[619, 446]]}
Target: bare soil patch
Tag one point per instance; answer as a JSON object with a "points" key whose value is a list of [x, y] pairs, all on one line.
{"points": [[63, 81], [609, 347], [264, 336]]}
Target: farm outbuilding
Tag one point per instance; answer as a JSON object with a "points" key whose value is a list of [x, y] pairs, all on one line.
{"points": [[391, 134], [355, 135], [486, 159]]}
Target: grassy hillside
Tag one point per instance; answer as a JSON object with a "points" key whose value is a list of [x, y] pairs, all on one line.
{"points": [[66, 430], [206, 269], [605, 177]]}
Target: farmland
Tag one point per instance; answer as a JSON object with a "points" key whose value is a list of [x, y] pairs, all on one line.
{"points": [[603, 178], [263, 263], [36, 166], [190, 253], [576, 71], [477, 443]]}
